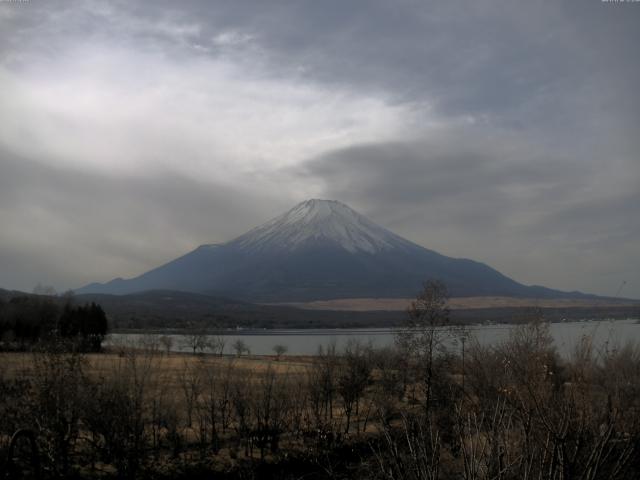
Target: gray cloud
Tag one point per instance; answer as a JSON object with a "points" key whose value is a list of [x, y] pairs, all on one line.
{"points": [[541, 219], [502, 131], [68, 228]]}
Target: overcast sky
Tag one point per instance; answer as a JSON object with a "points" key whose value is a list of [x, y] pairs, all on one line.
{"points": [[506, 132]]}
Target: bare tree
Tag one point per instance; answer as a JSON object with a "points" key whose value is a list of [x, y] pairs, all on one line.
{"points": [[279, 350], [270, 410], [240, 347], [166, 342], [198, 342], [241, 401], [60, 387], [116, 413], [149, 343], [190, 382], [425, 331], [217, 344], [214, 400], [353, 377], [224, 392], [321, 379], [299, 402]]}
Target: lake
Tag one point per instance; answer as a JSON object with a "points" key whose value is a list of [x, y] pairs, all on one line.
{"points": [[606, 333]]}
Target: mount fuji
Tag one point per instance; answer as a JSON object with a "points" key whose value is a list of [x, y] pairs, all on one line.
{"points": [[319, 250]]}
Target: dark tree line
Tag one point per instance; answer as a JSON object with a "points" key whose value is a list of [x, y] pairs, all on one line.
{"points": [[27, 320]]}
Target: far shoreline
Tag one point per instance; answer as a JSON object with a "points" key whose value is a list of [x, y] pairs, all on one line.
{"points": [[310, 331]]}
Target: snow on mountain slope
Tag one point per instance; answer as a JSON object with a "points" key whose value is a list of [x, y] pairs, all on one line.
{"points": [[320, 249], [320, 221]]}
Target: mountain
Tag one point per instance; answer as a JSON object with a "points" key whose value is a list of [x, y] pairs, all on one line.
{"points": [[320, 249]]}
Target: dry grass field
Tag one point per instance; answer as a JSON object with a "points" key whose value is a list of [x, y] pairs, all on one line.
{"points": [[206, 411], [167, 367], [457, 303]]}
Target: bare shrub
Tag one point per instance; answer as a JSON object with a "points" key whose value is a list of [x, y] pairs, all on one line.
{"points": [[410, 452], [389, 386], [242, 403], [270, 408], [354, 375], [189, 381], [57, 402], [15, 392], [322, 388], [215, 400], [116, 413]]}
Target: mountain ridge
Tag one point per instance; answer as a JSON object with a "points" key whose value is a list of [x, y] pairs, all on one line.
{"points": [[318, 250]]}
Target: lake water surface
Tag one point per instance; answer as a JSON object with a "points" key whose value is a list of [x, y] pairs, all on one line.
{"points": [[606, 334]]}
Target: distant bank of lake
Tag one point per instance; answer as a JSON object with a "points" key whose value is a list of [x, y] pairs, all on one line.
{"points": [[606, 333]]}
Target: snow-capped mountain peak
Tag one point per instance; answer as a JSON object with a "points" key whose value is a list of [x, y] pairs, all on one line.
{"points": [[319, 221], [319, 250]]}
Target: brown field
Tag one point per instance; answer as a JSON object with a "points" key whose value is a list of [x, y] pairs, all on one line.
{"points": [[171, 394], [142, 413], [169, 367], [458, 303]]}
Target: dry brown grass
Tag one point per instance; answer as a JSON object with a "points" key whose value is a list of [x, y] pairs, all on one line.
{"points": [[13, 363], [457, 303]]}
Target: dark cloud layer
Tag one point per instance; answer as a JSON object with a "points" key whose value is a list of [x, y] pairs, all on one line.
{"points": [[502, 203], [66, 227], [497, 130]]}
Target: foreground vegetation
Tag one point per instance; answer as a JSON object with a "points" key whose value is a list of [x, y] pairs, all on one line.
{"points": [[417, 411], [514, 411]]}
